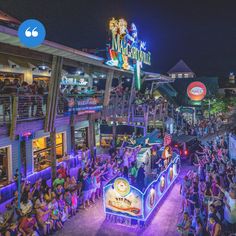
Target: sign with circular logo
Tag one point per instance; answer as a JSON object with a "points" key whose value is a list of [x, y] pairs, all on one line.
{"points": [[122, 186], [196, 91]]}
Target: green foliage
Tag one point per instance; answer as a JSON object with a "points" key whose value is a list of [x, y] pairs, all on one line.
{"points": [[219, 104]]}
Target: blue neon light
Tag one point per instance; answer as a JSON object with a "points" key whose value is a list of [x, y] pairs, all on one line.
{"points": [[144, 196]]}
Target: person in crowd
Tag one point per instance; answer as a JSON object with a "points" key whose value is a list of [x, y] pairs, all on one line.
{"points": [[126, 172], [29, 226], [68, 201], [59, 190], [133, 173], [58, 181], [86, 189], [199, 228], [26, 204], [63, 208], [43, 215], [80, 180], [74, 203], [48, 195], [185, 226], [62, 171], [216, 227], [140, 179], [230, 207], [55, 214]]}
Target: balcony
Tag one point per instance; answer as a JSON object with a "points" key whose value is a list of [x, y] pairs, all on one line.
{"points": [[16, 110]]}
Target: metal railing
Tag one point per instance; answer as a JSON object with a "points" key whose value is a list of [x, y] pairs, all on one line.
{"points": [[5, 109], [78, 103], [31, 107]]}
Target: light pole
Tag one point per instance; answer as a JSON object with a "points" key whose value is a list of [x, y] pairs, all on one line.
{"points": [[19, 171], [209, 108]]}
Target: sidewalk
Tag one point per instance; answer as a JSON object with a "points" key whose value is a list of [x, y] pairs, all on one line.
{"points": [[92, 221]]}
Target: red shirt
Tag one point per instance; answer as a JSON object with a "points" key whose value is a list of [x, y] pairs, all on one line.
{"points": [[62, 172]]}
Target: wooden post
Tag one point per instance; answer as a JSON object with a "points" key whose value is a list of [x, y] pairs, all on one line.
{"points": [[108, 88], [53, 93], [131, 97], [14, 117], [72, 133], [91, 136], [53, 155], [49, 125]]}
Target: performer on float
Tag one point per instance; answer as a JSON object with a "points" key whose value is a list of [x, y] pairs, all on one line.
{"points": [[167, 153]]}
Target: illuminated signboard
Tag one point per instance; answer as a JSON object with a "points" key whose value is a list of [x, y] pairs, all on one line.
{"points": [[74, 80], [82, 105], [196, 91], [122, 198], [126, 51]]}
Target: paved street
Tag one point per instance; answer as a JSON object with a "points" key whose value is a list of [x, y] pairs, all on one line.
{"points": [[91, 222]]}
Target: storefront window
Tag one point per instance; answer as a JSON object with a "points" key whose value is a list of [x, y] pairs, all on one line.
{"points": [[4, 152], [41, 151], [81, 138]]}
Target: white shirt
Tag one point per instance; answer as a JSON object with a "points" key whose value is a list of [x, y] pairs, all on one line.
{"points": [[230, 215]]}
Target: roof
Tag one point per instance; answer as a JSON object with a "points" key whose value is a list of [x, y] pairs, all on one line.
{"points": [[150, 76], [8, 19], [168, 89], [9, 36], [182, 67], [183, 138]]}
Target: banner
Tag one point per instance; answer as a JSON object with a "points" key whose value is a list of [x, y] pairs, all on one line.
{"points": [[83, 104], [232, 147]]}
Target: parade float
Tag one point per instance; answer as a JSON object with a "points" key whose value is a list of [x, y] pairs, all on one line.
{"points": [[126, 202]]}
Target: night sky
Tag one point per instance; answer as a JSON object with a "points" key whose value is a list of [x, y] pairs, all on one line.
{"points": [[203, 33]]}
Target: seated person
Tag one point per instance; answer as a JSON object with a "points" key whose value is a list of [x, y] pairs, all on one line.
{"points": [[185, 225], [28, 225]]}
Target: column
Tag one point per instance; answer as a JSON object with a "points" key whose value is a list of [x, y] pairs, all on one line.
{"points": [[91, 136], [53, 94], [53, 155], [72, 133]]}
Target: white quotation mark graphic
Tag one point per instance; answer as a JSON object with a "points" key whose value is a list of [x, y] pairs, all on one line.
{"points": [[34, 33]]}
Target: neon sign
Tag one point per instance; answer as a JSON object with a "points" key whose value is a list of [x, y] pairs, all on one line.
{"points": [[74, 80], [126, 51], [196, 91]]}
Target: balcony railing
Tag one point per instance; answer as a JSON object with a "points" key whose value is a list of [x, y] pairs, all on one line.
{"points": [[5, 109], [31, 107]]}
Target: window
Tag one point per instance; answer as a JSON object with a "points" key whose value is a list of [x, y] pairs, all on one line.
{"points": [[4, 161], [186, 75], [81, 138], [180, 75], [42, 148], [173, 76]]}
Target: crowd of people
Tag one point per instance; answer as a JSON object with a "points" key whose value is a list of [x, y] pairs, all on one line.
{"points": [[209, 193], [17, 87], [45, 208], [204, 127], [32, 97]]}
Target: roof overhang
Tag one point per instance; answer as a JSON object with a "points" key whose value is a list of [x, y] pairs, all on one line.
{"points": [[10, 37], [150, 76]]}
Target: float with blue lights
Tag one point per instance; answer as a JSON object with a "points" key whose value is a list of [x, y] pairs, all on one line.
{"points": [[126, 202]]}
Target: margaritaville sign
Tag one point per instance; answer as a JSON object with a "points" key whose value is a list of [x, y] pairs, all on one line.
{"points": [[126, 51], [126, 41]]}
